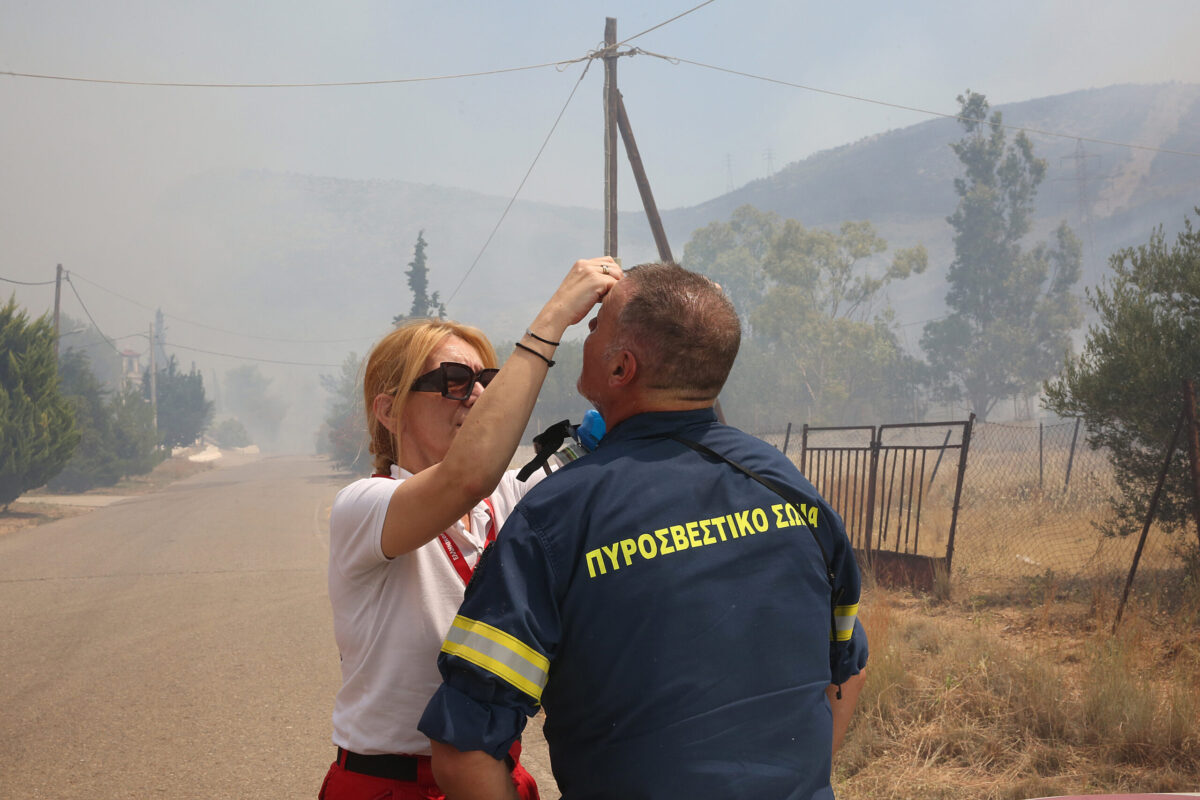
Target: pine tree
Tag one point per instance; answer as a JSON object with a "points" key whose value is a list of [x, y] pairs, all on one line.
{"points": [[116, 429], [418, 278], [183, 411], [1127, 382], [37, 423], [94, 463], [423, 304]]}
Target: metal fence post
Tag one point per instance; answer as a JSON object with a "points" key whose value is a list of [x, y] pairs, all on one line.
{"points": [[874, 468], [962, 471], [804, 450]]}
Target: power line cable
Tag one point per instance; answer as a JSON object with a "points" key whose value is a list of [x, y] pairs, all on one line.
{"points": [[85, 279], [223, 330], [666, 22], [1149, 148], [248, 358], [317, 85], [559, 65], [588, 59], [90, 342], [111, 343], [541, 149], [28, 283], [269, 338]]}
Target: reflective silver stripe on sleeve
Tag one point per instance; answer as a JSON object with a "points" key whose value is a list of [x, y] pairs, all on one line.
{"points": [[843, 622], [499, 653]]}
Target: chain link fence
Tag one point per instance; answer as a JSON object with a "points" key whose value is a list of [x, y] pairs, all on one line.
{"points": [[1033, 494]]}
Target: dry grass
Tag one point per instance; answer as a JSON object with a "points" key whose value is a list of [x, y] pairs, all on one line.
{"points": [[1024, 694], [1007, 681], [28, 515]]}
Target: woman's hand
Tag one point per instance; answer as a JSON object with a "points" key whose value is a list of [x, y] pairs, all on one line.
{"points": [[584, 286]]}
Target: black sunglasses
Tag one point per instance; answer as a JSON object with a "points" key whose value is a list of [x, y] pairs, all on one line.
{"points": [[453, 380]]}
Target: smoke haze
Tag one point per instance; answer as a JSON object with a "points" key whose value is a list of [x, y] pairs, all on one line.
{"points": [[128, 187]]}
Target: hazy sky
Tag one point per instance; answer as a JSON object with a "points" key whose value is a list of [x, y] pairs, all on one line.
{"points": [[82, 164], [79, 161], [699, 130]]}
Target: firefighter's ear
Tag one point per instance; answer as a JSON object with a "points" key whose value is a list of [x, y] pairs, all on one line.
{"points": [[624, 369]]}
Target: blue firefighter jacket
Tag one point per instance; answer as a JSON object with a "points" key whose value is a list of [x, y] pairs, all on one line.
{"points": [[673, 616]]}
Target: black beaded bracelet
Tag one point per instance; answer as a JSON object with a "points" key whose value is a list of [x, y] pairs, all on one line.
{"points": [[549, 363], [540, 339]]}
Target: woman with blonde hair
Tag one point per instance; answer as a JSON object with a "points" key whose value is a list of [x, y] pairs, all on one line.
{"points": [[403, 543]]}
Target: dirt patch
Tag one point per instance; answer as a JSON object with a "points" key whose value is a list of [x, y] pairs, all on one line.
{"points": [[26, 515], [166, 473]]}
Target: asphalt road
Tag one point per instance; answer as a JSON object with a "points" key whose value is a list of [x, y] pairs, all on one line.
{"points": [[177, 644]]}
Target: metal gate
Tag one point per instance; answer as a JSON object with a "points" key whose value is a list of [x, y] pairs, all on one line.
{"points": [[883, 480]]}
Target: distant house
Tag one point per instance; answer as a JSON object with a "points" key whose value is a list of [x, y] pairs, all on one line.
{"points": [[131, 369]]}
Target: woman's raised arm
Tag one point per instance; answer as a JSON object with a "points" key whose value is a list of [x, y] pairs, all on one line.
{"points": [[430, 501]]}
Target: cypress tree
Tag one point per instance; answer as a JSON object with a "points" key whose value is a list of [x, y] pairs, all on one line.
{"points": [[37, 423]]}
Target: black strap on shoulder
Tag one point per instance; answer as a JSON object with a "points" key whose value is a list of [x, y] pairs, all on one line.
{"points": [[767, 482], [546, 444]]}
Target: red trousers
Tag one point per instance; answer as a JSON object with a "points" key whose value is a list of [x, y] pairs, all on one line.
{"points": [[341, 784]]}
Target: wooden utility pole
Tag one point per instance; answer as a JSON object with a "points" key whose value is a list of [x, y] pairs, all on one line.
{"points": [[610, 137], [57, 300], [616, 118], [153, 383]]}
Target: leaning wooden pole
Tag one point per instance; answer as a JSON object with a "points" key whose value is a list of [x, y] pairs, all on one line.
{"points": [[610, 137], [1193, 443], [643, 183], [1162, 478]]}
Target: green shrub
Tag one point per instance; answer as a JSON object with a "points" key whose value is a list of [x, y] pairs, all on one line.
{"points": [[229, 432], [37, 423]]}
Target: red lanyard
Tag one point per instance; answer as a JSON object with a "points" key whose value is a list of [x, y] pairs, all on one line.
{"points": [[451, 549], [456, 557]]}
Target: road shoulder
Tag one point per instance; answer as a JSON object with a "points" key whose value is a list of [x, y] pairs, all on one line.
{"points": [[40, 507]]}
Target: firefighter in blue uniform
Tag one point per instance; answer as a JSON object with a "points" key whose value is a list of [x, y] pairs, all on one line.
{"points": [[681, 601]]}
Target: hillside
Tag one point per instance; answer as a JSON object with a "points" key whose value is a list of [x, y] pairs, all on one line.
{"points": [[902, 180], [347, 241], [322, 259]]}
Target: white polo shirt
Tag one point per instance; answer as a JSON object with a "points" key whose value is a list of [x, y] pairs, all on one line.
{"points": [[390, 616]]}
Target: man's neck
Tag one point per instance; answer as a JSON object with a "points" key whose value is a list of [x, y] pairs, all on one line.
{"points": [[652, 402]]}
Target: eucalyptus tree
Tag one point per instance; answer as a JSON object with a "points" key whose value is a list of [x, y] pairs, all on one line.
{"points": [[1011, 308]]}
